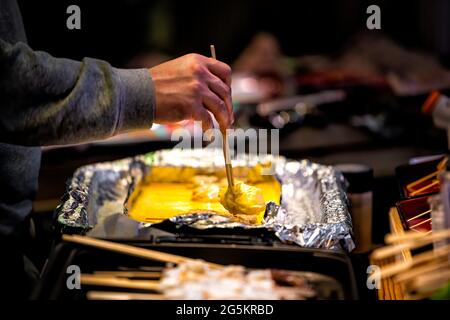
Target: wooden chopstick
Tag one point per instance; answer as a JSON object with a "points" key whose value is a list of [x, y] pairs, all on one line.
{"points": [[107, 295], [225, 146], [130, 250], [104, 281], [213, 52], [397, 227], [130, 274]]}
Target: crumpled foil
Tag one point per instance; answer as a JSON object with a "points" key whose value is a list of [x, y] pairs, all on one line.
{"points": [[313, 210]]}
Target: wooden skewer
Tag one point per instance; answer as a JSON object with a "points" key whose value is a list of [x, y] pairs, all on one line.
{"points": [[401, 273], [411, 236], [213, 52], [130, 250], [411, 185], [441, 165], [394, 268], [106, 295], [103, 281], [388, 251], [225, 146], [419, 215], [430, 267], [431, 255], [416, 192], [228, 166], [418, 259], [420, 223], [129, 274], [413, 241]]}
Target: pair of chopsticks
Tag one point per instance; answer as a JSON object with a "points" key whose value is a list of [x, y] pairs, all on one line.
{"points": [[125, 280]]}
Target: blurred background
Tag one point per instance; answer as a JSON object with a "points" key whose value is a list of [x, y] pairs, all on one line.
{"points": [[355, 95], [121, 30]]}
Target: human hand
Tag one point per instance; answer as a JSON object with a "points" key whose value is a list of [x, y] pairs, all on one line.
{"points": [[190, 86]]}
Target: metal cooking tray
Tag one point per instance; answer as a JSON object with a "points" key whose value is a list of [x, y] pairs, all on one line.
{"points": [[313, 211]]}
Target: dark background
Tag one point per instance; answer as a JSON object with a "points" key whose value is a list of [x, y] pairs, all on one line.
{"points": [[118, 30]]}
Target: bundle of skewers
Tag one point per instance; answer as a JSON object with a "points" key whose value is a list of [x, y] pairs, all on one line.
{"points": [[187, 278], [412, 265]]}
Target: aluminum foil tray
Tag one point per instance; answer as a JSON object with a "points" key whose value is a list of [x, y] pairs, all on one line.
{"points": [[313, 211]]}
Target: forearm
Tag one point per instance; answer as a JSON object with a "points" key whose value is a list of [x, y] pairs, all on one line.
{"points": [[46, 100]]}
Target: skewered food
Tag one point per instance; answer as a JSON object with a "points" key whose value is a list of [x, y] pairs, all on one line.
{"points": [[200, 280], [196, 280]]}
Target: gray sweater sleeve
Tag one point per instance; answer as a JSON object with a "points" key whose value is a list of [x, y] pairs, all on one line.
{"points": [[46, 100]]}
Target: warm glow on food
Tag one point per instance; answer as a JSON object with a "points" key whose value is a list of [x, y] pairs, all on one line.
{"points": [[169, 191]]}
